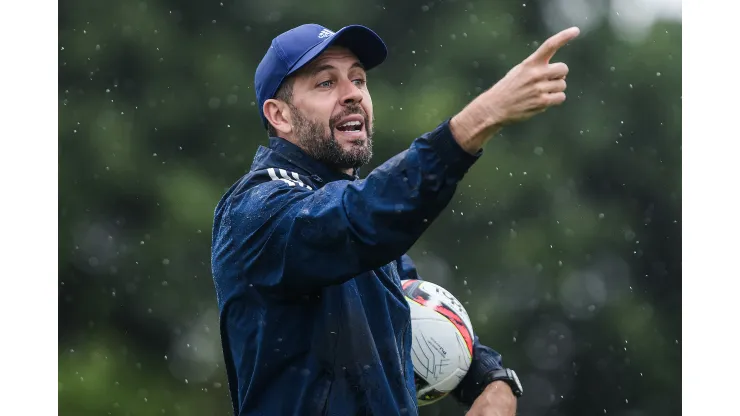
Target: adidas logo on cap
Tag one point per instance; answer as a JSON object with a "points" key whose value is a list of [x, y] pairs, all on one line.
{"points": [[325, 33]]}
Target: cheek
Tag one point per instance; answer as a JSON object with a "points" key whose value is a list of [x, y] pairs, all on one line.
{"points": [[367, 105]]}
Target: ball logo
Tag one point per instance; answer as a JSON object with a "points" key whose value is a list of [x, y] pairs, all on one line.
{"points": [[452, 301], [433, 342]]}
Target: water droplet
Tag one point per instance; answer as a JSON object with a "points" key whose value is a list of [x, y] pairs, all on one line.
{"points": [[539, 151], [166, 261], [657, 74], [612, 69], [601, 216]]}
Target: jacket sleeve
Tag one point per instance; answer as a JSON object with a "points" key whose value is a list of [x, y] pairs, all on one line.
{"points": [[485, 359], [298, 239]]}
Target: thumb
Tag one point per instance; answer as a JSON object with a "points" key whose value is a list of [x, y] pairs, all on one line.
{"points": [[547, 50]]}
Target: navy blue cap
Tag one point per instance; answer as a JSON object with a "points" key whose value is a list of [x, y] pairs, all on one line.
{"points": [[292, 50]]}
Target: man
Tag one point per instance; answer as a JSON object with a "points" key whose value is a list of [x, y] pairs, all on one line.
{"points": [[308, 258]]}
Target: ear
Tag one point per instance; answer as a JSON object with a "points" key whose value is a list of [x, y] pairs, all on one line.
{"points": [[277, 113]]}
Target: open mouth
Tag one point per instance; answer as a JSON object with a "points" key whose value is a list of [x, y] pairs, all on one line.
{"points": [[350, 126]]}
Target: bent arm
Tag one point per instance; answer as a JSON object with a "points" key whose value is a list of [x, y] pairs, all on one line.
{"points": [[485, 359]]}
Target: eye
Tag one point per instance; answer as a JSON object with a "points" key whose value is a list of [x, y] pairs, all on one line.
{"points": [[325, 84], [359, 82]]}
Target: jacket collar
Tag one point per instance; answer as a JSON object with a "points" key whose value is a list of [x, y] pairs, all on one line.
{"points": [[280, 148]]}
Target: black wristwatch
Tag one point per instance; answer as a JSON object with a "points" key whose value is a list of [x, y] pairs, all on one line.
{"points": [[509, 377]]}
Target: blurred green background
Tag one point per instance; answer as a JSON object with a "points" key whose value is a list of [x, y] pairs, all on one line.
{"points": [[564, 241]]}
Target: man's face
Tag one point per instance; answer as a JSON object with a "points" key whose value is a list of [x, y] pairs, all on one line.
{"points": [[331, 110]]}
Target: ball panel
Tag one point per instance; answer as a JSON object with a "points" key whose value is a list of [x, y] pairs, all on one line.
{"points": [[445, 303], [440, 300], [435, 349]]}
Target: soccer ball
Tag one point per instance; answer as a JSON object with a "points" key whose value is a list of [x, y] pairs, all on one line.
{"points": [[442, 345]]}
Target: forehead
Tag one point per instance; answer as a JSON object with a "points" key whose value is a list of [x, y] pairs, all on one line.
{"points": [[335, 56]]}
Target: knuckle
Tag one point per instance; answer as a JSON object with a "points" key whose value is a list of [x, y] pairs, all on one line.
{"points": [[533, 72]]}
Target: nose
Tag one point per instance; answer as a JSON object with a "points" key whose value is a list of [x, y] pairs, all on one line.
{"points": [[351, 94]]}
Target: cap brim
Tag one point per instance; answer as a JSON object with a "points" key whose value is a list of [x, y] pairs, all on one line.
{"points": [[362, 41]]}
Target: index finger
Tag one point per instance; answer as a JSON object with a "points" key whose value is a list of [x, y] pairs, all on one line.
{"points": [[548, 49]]}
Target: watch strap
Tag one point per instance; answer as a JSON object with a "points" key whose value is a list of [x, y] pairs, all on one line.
{"points": [[509, 376]]}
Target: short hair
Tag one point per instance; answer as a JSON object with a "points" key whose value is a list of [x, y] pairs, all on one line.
{"points": [[285, 94]]}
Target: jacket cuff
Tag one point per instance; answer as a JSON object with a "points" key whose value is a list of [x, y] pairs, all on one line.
{"points": [[485, 360], [457, 160]]}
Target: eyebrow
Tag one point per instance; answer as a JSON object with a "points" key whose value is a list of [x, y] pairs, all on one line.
{"points": [[314, 71]]}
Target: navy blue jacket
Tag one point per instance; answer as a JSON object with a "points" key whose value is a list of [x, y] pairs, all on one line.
{"points": [[307, 264]]}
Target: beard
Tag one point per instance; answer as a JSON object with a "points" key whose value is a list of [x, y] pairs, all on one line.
{"points": [[314, 140]]}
